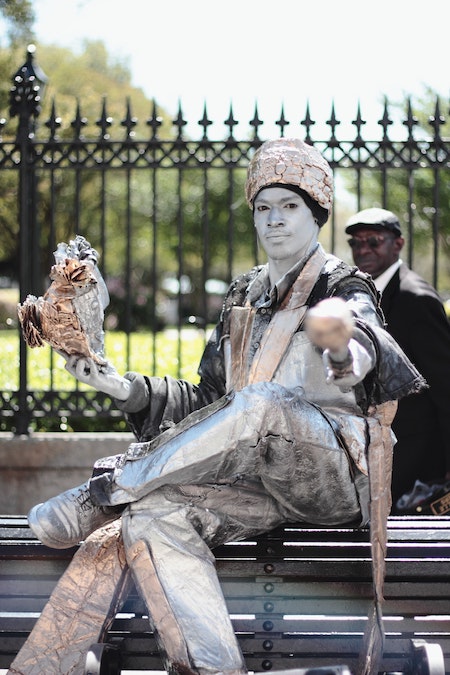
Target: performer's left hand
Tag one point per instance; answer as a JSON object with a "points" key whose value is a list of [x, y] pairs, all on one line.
{"points": [[109, 382]]}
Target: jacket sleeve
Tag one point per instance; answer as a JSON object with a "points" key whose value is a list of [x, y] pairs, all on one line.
{"points": [[393, 376], [157, 403]]}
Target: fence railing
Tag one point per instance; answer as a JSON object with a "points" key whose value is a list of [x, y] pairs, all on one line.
{"points": [[168, 217]]}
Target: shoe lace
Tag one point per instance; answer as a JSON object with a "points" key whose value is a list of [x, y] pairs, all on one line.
{"points": [[84, 501]]}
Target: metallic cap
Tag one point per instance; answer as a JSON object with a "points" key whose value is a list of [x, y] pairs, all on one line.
{"points": [[290, 161], [375, 219]]}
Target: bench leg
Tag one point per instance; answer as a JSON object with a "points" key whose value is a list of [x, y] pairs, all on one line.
{"points": [[428, 658], [103, 659], [80, 609]]}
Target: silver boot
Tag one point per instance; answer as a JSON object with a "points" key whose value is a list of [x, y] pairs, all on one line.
{"points": [[65, 520]]}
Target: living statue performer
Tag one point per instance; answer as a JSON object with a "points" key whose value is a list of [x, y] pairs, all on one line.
{"points": [[290, 422]]}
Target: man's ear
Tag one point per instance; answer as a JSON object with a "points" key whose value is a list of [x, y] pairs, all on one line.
{"points": [[399, 242]]}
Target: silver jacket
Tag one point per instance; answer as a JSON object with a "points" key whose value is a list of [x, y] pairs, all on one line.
{"points": [[155, 404]]}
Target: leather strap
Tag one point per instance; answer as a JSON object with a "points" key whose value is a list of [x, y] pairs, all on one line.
{"points": [[278, 334]]}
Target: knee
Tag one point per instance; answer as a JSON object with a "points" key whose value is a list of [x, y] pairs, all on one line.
{"points": [[165, 507]]}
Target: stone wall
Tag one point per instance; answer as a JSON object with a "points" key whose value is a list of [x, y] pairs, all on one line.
{"points": [[36, 467]]}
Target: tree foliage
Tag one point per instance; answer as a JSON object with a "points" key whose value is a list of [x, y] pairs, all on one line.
{"points": [[95, 83], [17, 18], [91, 80], [81, 90]]}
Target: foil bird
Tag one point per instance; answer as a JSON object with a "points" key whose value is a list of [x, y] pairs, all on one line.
{"points": [[70, 315]]}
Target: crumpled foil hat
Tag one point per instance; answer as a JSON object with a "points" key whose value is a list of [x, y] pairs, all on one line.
{"points": [[290, 161]]}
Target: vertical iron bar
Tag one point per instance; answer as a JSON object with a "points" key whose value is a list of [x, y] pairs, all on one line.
{"points": [[358, 189], [103, 237], [436, 191], [52, 237], [25, 98], [26, 253], [154, 262], [180, 229], [206, 253], [77, 197], [333, 223], [384, 184], [230, 245], [410, 217], [128, 285], [178, 147]]}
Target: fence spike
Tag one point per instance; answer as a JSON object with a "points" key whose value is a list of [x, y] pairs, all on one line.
{"points": [[411, 120], [54, 122], [179, 121], [230, 122], [308, 122], [385, 121], [436, 120], [155, 121], [359, 122], [256, 123], [333, 122], [282, 122], [104, 122], [129, 122], [205, 123], [78, 122]]}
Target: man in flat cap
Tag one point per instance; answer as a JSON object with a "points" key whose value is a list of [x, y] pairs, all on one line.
{"points": [[298, 385], [416, 318]]}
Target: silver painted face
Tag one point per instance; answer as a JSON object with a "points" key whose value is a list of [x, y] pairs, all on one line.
{"points": [[285, 225]]}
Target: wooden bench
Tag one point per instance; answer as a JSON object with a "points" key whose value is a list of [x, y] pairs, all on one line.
{"points": [[298, 598]]}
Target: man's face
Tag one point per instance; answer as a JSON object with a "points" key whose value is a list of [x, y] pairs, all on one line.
{"points": [[285, 225], [375, 250]]}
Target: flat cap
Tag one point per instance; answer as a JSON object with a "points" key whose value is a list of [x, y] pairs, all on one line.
{"points": [[375, 219]]}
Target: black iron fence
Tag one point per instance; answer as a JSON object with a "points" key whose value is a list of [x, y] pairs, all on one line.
{"points": [[168, 217]]}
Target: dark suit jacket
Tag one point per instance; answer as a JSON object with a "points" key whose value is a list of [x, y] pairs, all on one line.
{"points": [[416, 318]]}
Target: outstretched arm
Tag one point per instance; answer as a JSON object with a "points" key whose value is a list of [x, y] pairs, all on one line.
{"points": [[330, 326], [109, 381]]}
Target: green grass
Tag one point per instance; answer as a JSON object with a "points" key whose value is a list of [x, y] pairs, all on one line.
{"points": [[46, 369]]}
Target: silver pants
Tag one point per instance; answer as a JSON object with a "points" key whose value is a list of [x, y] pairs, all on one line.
{"points": [[230, 471], [264, 432]]}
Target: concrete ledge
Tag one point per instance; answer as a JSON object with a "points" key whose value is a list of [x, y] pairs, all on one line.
{"points": [[36, 467]]}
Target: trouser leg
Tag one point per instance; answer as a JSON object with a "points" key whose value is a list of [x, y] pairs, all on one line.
{"points": [[80, 609], [265, 430], [166, 537]]}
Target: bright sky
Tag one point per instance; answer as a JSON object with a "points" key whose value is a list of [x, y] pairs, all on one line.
{"points": [[270, 52]]}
